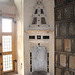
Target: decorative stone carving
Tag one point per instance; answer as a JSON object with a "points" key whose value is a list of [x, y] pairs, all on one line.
{"points": [[39, 18]]}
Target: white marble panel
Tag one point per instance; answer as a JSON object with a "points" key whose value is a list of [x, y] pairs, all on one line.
{"points": [[39, 59]]}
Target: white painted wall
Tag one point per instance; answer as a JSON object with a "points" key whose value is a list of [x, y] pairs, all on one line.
{"points": [[7, 7]]}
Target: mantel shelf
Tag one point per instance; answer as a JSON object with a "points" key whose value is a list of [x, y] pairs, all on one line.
{"points": [[38, 31]]}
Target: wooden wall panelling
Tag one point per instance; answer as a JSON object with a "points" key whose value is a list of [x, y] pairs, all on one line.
{"points": [[59, 14], [73, 46], [72, 29], [57, 30], [65, 37], [58, 71], [72, 62], [57, 59], [62, 2], [67, 45], [67, 73], [63, 29], [59, 44], [67, 61], [59, 2], [68, 12], [62, 60], [74, 11]]}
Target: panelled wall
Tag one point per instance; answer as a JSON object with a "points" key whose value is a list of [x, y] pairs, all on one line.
{"points": [[64, 37]]}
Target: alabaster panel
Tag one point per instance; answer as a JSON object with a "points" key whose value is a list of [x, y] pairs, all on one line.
{"points": [[39, 59]]}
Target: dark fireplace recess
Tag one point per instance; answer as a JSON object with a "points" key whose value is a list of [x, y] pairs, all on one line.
{"points": [[39, 73]]}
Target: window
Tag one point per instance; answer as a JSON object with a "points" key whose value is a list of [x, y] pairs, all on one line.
{"points": [[7, 62], [6, 25], [7, 43]]}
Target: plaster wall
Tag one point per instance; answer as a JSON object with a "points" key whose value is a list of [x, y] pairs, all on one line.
{"points": [[20, 28], [7, 7]]}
